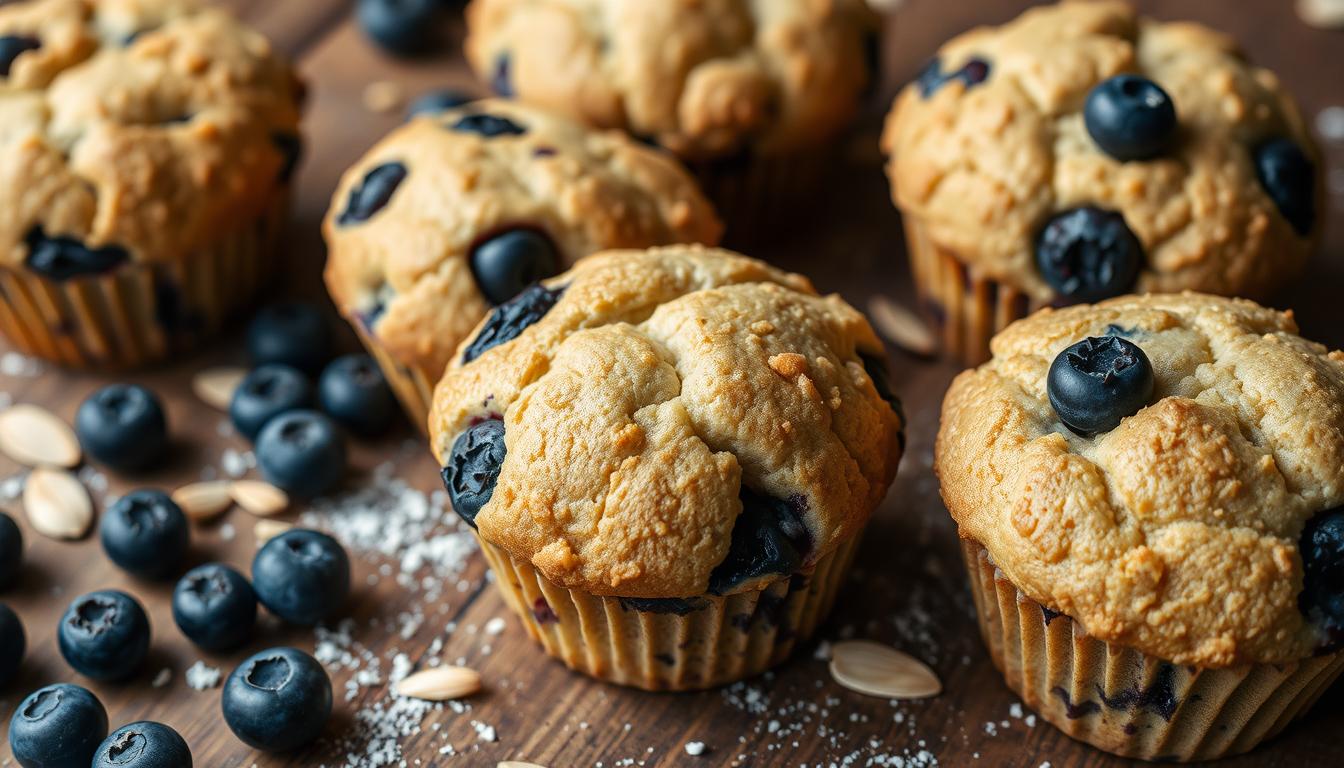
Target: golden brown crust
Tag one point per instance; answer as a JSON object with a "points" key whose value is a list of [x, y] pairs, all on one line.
{"points": [[984, 168], [658, 385], [1177, 532]]}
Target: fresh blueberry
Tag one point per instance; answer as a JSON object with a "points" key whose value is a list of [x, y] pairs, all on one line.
{"points": [[1099, 381], [1130, 117], [11, 551], [123, 426], [1289, 178], [277, 700], [372, 193], [509, 262], [63, 258], [1322, 549], [290, 147], [10, 48], [13, 642], [352, 391], [932, 78], [473, 467], [145, 533], [266, 393], [59, 726], [501, 79], [401, 27], [215, 607], [1088, 254], [302, 452], [488, 126], [511, 318], [292, 334], [434, 102], [770, 537], [302, 576], [143, 745], [104, 635]]}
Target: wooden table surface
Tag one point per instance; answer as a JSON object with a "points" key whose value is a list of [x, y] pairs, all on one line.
{"points": [[908, 588]]}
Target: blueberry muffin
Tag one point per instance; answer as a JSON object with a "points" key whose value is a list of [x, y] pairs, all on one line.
{"points": [[1149, 494], [1082, 152], [750, 94], [458, 211], [669, 456], [147, 150]]}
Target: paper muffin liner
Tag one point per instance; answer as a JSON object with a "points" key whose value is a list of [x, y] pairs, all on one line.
{"points": [[1127, 702], [691, 644], [751, 192], [967, 308], [140, 313], [413, 386]]}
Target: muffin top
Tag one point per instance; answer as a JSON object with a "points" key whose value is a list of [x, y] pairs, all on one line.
{"points": [[1185, 517], [458, 211], [704, 79], [135, 130], [1081, 152], [663, 423]]}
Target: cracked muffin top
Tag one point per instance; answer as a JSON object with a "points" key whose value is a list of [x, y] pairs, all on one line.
{"points": [[668, 422], [1165, 469], [135, 130], [1082, 152], [704, 79], [459, 211]]}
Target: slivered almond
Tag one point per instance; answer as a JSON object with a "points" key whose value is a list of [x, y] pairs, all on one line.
{"points": [[440, 684], [36, 437], [215, 386], [880, 670], [204, 501], [265, 530], [1327, 14], [57, 504], [902, 327], [259, 498]]}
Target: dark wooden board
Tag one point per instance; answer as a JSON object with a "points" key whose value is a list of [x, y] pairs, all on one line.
{"points": [[908, 588]]}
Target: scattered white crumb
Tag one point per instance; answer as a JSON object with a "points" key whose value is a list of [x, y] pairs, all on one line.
{"points": [[163, 678], [484, 732], [695, 748], [1330, 123], [201, 677], [227, 532], [494, 626]]}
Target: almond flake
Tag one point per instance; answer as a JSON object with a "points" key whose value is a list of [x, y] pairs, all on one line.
{"points": [[265, 530], [259, 498], [1326, 14], [36, 437], [880, 670], [215, 386], [203, 501], [57, 504], [440, 684], [902, 327]]}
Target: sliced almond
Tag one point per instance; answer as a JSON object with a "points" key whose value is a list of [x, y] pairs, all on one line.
{"points": [[440, 684], [259, 498], [57, 504], [382, 96], [1327, 14], [36, 437], [880, 670], [902, 327], [265, 530], [215, 386], [204, 501]]}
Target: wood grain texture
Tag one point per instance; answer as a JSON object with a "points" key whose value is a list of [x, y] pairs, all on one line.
{"points": [[908, 588]]}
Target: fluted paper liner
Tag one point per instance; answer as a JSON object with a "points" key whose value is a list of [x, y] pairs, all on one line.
{"points": [[413, 387], [1127, 702], [723, 640]]}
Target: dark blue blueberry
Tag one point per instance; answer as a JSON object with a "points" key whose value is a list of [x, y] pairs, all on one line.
{"points": [[1130, 117], [302, 452], [292, 334], [352, 391], [277, 700], [13, 643], [1088, 254], [1289, 178], [511, 318], [215, 607], [146, 534], [1322, 549], [401, 27], [59, 726], [62, 258], [372, 193], [509, 262], [11, 551], [290, 147], [302, 576], [123, 426], [488, 126], [10, 48], [1097, 382], [104, 635], [932, 78], [441, 100], [501, 79], [266, 393], [473, 467], [143, 745], [770, 537]]}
